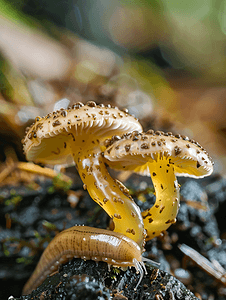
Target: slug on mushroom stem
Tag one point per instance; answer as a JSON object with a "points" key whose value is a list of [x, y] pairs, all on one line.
{"points": [[88, 243], [76, 135], [162, 156]]}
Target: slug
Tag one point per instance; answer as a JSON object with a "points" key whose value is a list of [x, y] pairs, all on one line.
{"points": [[88, 243]]}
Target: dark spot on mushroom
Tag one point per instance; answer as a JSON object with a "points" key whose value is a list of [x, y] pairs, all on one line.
{"points": [[144, 137], [91, 103], [39, 126], [151, 132], [185, 138], [150, 220], [64, 113], [177, 150], [96, 185], [56, 152], [65, 145], [144, 146], [117, 216], [56, 123], [154, 174], [153, 144], [105, 200], [84, 175], [77, 105], [120, 201], [198, 165], [161, 210], [161, 186], [188, 146], [127, 148], [147, 215], [135, 136], [130, 231], [70, 133], [157, 206], [109, 150], [115, 138]]}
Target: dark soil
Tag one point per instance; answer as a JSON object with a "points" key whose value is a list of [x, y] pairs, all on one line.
{"points": [[24, 233]]}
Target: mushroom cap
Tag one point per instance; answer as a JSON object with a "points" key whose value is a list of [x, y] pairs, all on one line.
{"points": [[136, 150], [48, 139]]}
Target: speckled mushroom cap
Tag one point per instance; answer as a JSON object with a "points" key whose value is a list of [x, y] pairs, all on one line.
{"points": [[48, 139], [134, 150]]}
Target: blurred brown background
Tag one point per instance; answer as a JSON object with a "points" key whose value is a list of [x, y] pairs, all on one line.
{"points": [[163, 60]]}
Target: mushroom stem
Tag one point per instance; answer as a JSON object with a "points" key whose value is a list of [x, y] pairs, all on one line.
{"points": [[110, 195], [163, 213]]}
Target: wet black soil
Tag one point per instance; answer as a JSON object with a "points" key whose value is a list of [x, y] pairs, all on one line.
{"points": [[30, 218]]}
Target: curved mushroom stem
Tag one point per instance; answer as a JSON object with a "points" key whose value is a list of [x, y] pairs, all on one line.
{"points": [[163, 213], [110, 195]]}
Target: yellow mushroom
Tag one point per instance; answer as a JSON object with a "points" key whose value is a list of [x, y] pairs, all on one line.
{"points": [[76, 136], [162, 156]]}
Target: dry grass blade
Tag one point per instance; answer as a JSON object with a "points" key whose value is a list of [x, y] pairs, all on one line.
{"points": [[213, 268]]}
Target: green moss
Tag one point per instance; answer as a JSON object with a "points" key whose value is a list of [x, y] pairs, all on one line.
{"points": [[15, 200], [49, 226], [59, 184], [25, 260]]}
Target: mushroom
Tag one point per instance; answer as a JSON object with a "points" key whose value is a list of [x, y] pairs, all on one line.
{"points": [[77, 135], [162, 156]]}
